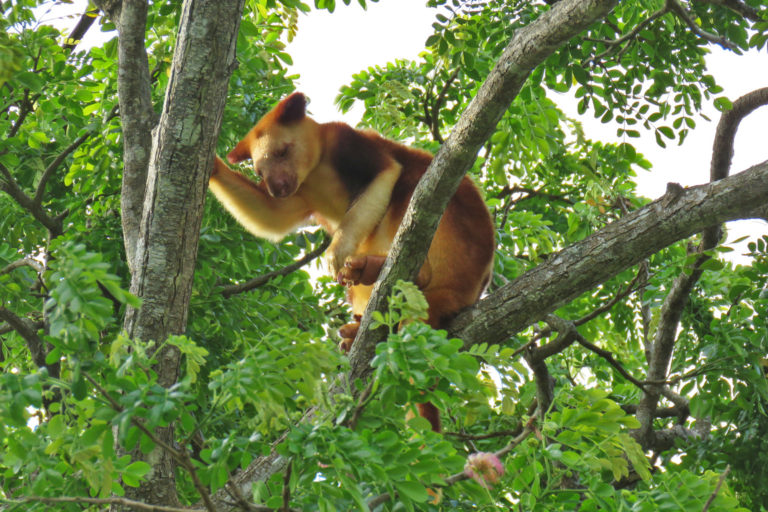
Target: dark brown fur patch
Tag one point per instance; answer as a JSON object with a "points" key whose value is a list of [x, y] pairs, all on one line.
{"points": [[291, 109], [357, 157]]}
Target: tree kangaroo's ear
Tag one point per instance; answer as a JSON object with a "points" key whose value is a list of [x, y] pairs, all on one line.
{"points": [[291, 109]]}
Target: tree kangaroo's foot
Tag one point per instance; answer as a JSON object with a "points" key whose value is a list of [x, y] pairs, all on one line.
{"points": [[348, 333], [360, 269]]}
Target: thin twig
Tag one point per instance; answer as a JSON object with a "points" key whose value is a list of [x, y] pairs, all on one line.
{"points": [[100, 501], [438, 103], [717, 488], [529, 192], [362, 401], [678, 8], [740, 8], [261, 280], [48, 172], [631, 288], [33, 204], [613, 43], [480, 437], [287, 487], [608, 356], [25, 108]]}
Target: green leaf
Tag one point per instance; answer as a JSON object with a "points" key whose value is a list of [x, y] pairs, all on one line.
{"points": [[412, 491], [137, 469], [79, 388], [723, 104]]}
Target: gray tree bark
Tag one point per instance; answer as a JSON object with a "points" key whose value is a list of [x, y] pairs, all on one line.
{"points": [[165, 181], [580, 267]]}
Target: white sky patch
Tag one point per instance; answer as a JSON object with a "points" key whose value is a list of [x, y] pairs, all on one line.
{"points": [[330, 47]]}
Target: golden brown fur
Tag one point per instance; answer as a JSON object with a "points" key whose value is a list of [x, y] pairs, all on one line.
{"points": [[357, 185]]}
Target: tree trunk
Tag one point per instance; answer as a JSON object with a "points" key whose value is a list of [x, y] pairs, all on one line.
{"points": [[181, 157]]}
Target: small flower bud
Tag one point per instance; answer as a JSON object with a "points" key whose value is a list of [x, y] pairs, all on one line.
{"points": [[485, 468]]}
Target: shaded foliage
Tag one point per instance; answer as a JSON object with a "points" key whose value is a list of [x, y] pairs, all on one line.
{"points": [[259, 368]]}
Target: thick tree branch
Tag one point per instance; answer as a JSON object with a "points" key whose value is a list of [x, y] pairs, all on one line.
{"points": [[528, 48], [671, 311], [164, 182], [626, 242], [665, 439], [12, 188], [27, 330], [566, 337], [645, 310], [662, 347], [111, 8], [136, 113], [680, 402], [545, 383], [722, 150], [36, 325], [83, 24]]}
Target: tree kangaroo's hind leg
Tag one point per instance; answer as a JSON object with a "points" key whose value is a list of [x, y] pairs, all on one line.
{"points": [[364, 269]]}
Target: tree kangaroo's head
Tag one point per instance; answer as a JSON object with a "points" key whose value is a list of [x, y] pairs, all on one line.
{"points": [[284, 145]]}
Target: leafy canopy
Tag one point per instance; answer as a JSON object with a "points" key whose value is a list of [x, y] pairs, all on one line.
{"points": [[76, 393]]}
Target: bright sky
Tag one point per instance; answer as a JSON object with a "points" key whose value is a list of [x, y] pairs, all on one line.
{"points": [[329, 48]]}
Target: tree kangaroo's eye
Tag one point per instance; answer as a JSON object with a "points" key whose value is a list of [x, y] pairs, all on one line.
{"points": [[280, 153]]}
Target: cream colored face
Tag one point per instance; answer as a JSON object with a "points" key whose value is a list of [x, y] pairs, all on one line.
{"points": [[283, 155]]}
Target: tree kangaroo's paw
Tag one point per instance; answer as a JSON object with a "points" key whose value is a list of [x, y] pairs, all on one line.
{"points": [[348, 333], [360, 269]]}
